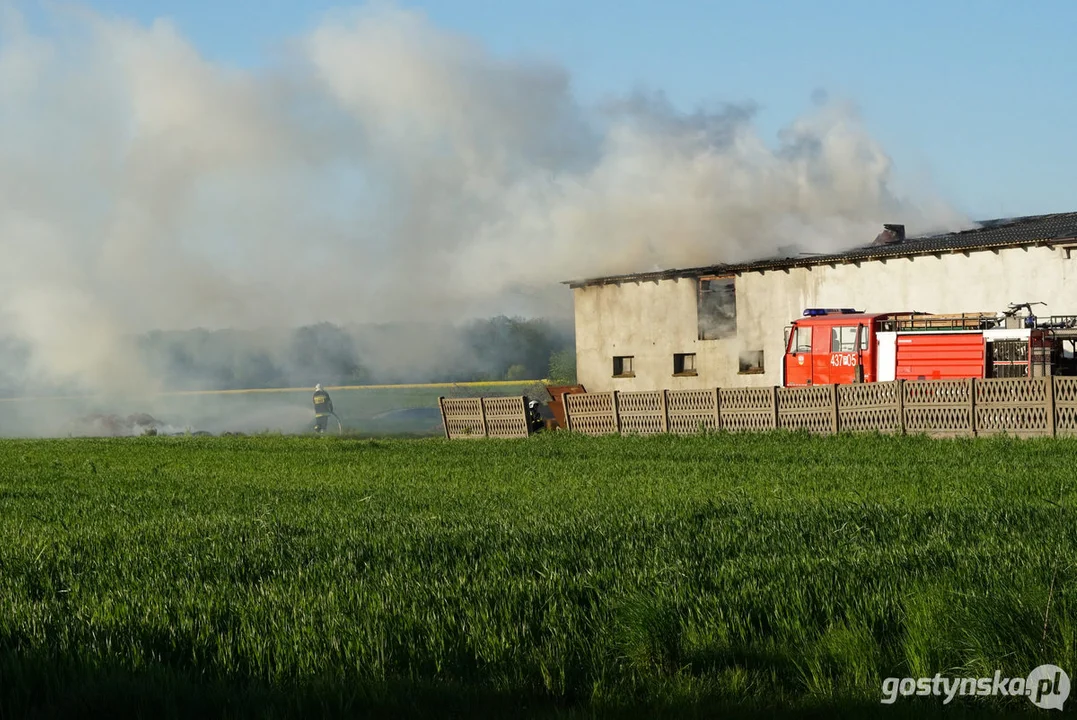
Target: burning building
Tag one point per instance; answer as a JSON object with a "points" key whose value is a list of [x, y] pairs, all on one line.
{"points": [[724, 325]]}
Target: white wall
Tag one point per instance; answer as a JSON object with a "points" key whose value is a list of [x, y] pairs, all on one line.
{"points": [[653, 320]]}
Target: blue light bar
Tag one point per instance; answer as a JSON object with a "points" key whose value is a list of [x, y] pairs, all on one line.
{"points": [[812, 312]]}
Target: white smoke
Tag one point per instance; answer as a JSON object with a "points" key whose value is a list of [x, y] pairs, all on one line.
{"points": [[378, 169]]}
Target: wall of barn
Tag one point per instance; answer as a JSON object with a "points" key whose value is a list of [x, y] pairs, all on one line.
{"points": [[651, 321]]}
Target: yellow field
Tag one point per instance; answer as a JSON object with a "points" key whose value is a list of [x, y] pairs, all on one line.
{"points": [[334, 388]]}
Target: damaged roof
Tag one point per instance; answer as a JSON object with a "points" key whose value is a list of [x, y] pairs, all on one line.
{"points": [[988, 235]]}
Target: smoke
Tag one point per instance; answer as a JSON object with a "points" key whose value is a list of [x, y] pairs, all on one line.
{"points": [[377, 169]]}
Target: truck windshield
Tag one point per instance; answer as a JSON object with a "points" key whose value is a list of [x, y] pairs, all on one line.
{"points": [[843, 339]]}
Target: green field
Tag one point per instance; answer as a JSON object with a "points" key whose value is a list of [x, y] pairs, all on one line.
{"points": [[559, 575], [375, 411]]}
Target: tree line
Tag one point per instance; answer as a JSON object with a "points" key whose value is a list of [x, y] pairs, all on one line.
{"points": [[497, 348]]}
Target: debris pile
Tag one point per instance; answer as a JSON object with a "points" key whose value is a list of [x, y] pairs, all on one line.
{"points": [[100, 424], [137, 424]]}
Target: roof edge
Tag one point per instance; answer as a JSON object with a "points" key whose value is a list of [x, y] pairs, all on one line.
{"points": [[784, 264]]}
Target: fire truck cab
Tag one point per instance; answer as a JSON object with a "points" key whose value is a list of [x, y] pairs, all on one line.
{"points": [[843, 345], [830, 346]]}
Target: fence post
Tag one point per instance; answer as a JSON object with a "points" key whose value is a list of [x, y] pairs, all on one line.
{"points": [[444, 424], [972, 406], [665, 411], [1049, 401], [774, 402], [901, 405], [717, 409], [568, 416], [616, 412], [527, 418], [835, 416]]}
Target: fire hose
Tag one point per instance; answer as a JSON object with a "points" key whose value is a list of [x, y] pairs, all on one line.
{"points": [[340, 425]]}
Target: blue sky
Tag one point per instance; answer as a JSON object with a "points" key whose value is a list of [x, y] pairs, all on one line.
{"points": [[978, 98]]}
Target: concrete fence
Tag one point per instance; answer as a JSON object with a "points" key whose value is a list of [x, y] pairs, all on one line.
{"points": [[495, 417], [939, 408]]}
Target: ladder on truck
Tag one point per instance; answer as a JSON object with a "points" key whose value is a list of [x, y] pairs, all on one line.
{"points": [[928, 321]]}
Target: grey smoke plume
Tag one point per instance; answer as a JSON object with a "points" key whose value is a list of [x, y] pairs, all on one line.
{"points": [[379, 169]]}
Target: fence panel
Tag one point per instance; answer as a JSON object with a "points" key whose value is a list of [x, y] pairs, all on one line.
{"points": [[747, 409], [940, 408], [462, 417], [1065, 402], [1013, 406], [506, 417], [807, 408], [692, 410], [642, 413], [592, 413], [870, 407]]}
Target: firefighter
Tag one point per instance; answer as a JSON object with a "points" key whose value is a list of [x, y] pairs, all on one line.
{"points": [[534, 418], [323, 408]]}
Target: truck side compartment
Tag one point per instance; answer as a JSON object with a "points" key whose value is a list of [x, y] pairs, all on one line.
{"points": [[939, 356]]}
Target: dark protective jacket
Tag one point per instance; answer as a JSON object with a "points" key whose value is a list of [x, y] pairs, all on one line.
{"points": [[534, 417], [322, 404]]}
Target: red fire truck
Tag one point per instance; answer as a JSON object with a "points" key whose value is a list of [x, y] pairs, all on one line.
{"points": [[844, 345]]}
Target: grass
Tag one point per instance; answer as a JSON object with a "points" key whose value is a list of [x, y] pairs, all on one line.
{"points": [[558, 576]]}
